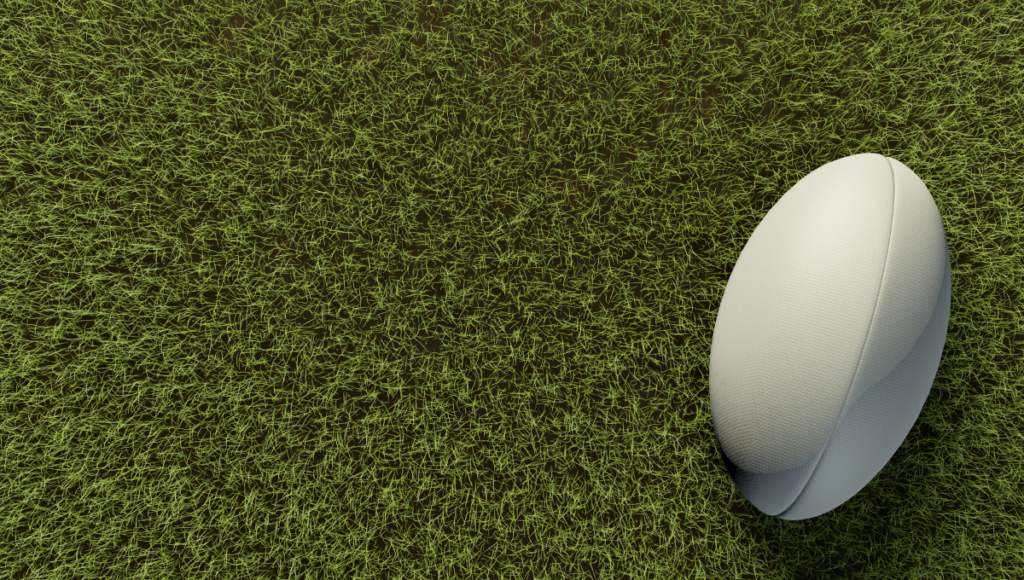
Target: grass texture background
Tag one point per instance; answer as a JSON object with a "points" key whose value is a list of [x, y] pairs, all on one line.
{"points": [[426, 291]]}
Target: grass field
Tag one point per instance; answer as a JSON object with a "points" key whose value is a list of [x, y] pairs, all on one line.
{"points": [[386, 290]]}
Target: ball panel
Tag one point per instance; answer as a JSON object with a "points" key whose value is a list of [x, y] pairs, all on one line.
{"points": [[878, 422], [773, 493], [912, 281], [865, 440], [795, 314]]}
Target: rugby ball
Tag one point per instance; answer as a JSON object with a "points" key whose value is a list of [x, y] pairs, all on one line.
{"points": [[829, 335]]}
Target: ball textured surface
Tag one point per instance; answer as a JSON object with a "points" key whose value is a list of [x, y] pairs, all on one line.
{"points": [[829, 335]]}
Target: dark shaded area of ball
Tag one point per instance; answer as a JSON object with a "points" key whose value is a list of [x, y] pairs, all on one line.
{"points": [[730, 467]]}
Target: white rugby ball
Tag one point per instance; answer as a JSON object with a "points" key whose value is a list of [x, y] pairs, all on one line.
{"points": [[829, 335]]}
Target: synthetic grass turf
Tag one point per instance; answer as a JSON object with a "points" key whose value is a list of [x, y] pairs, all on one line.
{"points": [[376, 290]]}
